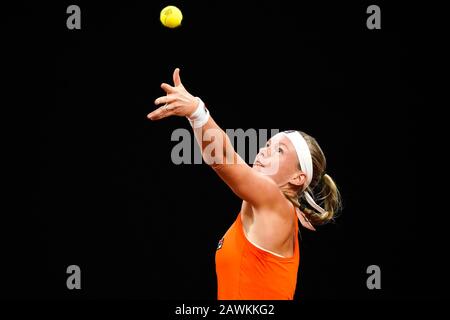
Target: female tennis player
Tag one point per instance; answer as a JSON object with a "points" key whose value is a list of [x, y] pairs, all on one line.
{"points": [[258, 257]]}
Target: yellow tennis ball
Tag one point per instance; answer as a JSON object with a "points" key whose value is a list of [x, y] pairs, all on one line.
{"points": [[171, 16]]}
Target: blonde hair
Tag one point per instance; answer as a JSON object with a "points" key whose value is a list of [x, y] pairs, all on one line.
{"points": [[322, 188]]}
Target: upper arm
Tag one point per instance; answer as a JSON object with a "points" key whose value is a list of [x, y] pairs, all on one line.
{"points": [[249, 185]]}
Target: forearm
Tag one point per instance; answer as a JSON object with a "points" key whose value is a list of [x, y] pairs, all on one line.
{"points": [[215, 144], [247, 184]]}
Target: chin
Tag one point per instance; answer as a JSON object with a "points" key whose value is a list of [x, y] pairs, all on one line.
{"points": [[261, 170]]}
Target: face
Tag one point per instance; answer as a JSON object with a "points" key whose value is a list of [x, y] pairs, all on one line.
{"points": [[278, 160]]}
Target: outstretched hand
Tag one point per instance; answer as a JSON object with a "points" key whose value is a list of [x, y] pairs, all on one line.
{"points": [[177, 101]]}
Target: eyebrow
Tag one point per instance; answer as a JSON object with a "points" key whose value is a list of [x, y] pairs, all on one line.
{"points": [[280, 143]]}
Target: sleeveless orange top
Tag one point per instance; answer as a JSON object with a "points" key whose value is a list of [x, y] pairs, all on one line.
{"points": [[246, 272]]}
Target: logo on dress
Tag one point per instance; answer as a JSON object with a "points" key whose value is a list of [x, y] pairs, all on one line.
{"points": [[219, 245]]}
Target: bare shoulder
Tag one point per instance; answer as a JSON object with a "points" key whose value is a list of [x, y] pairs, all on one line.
{"points": [[281, 210], [269, 226]]}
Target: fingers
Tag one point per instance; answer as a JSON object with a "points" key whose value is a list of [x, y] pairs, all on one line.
{"points": [[176, 77], [166, 110], [161, 112], [167, 88], [166, 99]]}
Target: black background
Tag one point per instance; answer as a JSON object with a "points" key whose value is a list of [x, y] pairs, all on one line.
{"points": [[96, 186]]}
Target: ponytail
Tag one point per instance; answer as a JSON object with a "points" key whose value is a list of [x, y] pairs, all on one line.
{"points": [[330, 198]]}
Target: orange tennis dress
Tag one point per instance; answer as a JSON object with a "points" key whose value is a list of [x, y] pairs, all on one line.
{"points": [[247, 272]]}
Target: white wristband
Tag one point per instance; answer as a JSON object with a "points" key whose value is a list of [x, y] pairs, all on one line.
{"points": [[200, 115]]}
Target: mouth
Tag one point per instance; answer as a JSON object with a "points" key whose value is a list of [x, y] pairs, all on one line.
{"points": [[259, 164]]}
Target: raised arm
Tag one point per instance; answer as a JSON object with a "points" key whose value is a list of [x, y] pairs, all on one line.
{"points": [[217, 150]]}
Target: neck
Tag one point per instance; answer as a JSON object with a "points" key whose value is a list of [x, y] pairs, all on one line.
{"points": [[290, 194]]}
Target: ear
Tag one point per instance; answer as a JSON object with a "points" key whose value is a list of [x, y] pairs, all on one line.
{"points": [[298, 179]]}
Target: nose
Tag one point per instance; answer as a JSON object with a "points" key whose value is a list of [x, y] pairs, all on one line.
{"points": [[265, 151]]}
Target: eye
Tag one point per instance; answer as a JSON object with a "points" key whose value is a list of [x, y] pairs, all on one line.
{"points": [[280, 150]]}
